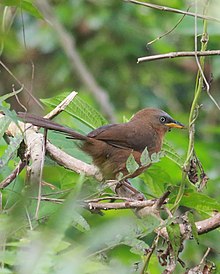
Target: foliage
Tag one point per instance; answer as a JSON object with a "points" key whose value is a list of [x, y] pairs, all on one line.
{"points": [[109, 35]]}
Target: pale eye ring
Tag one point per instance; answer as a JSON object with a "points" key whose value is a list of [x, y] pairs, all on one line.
{"points": [[162, 119]]}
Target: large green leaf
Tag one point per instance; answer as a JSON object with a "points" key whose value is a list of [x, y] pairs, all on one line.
{"points": [[79, 109], [201, 202], [172, 154]]}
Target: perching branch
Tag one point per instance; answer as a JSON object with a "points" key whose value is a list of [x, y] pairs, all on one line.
{"points": [[71, 163], [178, 54], [119, 205]]}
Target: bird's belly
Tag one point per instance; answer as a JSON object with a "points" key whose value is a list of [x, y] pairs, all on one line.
{"points": [[111, 160]]}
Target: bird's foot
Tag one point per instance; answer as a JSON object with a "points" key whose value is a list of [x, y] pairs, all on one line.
{"points": [[125, 189]]}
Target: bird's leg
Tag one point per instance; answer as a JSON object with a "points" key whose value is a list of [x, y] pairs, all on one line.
{"points": [[124, 189]]}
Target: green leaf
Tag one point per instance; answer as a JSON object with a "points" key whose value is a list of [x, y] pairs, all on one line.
{"points": [[5, 108], [156, 180], [156, 156], [8, 257], [173, 231], [147, 224], [193, 226], [172, 154], [137, 246], [145, 158], [79, 222], [4, 123], [201, 202], [131, 164], [24, 5], [11, 150], [78, 109]]}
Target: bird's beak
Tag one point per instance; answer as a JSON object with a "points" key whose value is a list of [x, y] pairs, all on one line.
{"points": [[175, 124]]}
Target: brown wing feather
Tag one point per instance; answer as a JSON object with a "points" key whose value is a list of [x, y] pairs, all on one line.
{"points": [[130, 138]]}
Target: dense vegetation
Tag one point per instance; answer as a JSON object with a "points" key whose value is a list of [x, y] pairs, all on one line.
{"points": [[92, 47]]}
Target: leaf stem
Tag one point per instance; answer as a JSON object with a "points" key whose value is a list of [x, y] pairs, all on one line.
{"points": [[194, 108]]}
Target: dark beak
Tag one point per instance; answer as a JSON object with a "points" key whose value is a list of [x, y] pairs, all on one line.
{"points": [[175, 124]]}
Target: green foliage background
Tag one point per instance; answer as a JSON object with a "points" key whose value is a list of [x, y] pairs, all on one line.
{"points": [[109, 36]]}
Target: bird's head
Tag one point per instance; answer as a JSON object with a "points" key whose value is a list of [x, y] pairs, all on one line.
{"points": [[158, 119]]}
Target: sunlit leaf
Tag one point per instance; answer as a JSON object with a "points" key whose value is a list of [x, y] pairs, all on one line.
{"points": [[131, 164], [79, 109], [172, 154], [145, 158], [201, 202]]}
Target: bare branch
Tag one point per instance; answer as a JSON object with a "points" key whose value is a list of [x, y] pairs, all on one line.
{"points": [[203, 227], [168, 9], [209, 224], [69, 162], [7, 181], [120, 205], [178, 54]]}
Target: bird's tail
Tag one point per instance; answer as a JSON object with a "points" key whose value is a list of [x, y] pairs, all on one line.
{"points": [[48, 124]]}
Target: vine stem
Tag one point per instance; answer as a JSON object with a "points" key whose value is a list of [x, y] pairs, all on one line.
{"points": [[194, 107]]}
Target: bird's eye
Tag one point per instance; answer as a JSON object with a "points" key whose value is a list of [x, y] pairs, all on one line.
{"points": [[162, 119]]}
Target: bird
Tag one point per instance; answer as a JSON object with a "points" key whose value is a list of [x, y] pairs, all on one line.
{"points": [[111, 145]]}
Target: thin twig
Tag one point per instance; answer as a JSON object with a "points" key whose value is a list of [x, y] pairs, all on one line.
{"points": [[19, 82], [177, 54], [162, 199], [205, 255], [40, 178], [108, 198], [168, 9], [53, 200], [7, 181], [169, 31], [194, 108], [149, 254], [204, 42]]}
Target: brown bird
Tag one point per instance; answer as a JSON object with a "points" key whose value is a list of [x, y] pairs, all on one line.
{"points": [[111, 145]]}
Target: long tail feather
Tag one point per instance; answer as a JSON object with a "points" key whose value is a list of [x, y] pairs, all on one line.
{"points": [[48, 124]]}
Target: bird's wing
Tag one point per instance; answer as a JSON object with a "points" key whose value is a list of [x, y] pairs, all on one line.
{"points": [[121, 135]]}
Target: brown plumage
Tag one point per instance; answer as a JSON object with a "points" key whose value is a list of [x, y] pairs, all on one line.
{"points": [[111, 145]]}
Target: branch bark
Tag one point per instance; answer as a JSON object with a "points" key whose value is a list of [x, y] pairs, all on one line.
{"points": [[178, 54], [168, 9]]}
